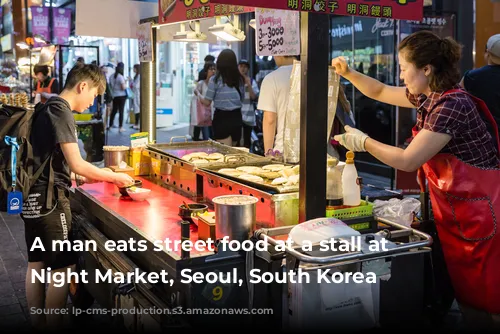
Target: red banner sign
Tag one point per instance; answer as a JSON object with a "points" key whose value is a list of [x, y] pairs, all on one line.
{"points": [[173, 11], [388, 9]]}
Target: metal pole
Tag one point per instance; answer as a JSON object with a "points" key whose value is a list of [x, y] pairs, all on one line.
{"points": [[148, 94], [313, 115]]}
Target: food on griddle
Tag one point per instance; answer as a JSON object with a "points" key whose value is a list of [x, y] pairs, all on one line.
{"points": [[187, 157], [279, 181], [200, 161], [250, 169], [215, 156], [203, 155], [251, 178], [292, 180], [289, 172], [231, 171], [269, 175], [275, 167]]}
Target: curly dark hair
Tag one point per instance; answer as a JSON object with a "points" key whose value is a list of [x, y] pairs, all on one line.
{"points": [[443, 54]]}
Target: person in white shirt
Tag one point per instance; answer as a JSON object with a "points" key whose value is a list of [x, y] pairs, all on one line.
{"points": [[273, 101]]}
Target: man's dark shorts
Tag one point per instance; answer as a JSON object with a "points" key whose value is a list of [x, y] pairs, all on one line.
{"points": [[49, 225]]}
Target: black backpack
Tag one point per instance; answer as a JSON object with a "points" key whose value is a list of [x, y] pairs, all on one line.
{"points": [[16, 122]]}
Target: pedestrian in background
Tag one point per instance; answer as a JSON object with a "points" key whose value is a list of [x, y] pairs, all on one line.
{"points": [[135, 85], [118, 88], [248, 107], [225, 91], [484, 82]]}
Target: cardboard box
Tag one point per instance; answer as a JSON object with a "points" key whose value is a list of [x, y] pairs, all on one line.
{"points": [[140, 161]]}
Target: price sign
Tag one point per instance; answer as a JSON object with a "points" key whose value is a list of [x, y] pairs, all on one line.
{"points": [[277, 32], [144, 35]]}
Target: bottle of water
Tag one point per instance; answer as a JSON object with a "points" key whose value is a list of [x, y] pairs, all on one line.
{"points": [[351, 189]]}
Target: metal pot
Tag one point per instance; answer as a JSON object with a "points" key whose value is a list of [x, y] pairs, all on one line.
{"points": [[235, 216], [115, 156]]}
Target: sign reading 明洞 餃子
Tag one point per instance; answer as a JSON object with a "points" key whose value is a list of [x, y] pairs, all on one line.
{"points": [[174, 11], [389, 9], [277, 32]]}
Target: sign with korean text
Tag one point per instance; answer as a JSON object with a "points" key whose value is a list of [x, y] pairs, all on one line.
{"points": [[174, 11], [40, 23], [61, 18], [145, 42], [442, 25], [389, 9], [277, 32]]}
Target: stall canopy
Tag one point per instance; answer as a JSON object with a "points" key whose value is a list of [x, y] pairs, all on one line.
{"points": [[389, 9]]}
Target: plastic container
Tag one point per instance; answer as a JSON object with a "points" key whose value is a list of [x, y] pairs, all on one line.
{"points": [[351, 190]]}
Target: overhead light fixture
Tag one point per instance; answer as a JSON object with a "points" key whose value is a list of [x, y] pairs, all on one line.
{"points": [[252, 23], [190, 36], [227, 31]]}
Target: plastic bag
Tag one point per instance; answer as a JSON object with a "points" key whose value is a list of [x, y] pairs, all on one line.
{"points": [[397, 210], [320, 229], [291, 135]]}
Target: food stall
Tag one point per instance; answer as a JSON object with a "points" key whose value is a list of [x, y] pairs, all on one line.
{"points": [[192, 187]]}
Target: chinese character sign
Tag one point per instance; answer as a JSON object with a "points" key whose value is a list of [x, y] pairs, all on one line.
{"points": [[174, 11], [277, 32], [40, 23], [145, 41], [61, 19], [389, 9]]}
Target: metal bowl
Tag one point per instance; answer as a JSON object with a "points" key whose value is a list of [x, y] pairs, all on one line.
{"points": [[193, 208], [123, 190]]}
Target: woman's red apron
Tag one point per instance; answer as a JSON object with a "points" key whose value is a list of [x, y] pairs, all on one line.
{"points": [[48, 89], [466, 206]]}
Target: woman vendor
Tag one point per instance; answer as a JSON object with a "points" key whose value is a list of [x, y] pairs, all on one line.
{"points": [[453, 149]]}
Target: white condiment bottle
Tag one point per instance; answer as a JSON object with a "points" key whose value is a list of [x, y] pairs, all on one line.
{"points": [[351, 190]]}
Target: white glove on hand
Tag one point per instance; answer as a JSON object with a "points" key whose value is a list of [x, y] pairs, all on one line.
{"points": [[352, 139]]}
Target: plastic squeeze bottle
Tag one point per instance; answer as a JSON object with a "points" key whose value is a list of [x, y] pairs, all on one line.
{"points": [[351, 190]]}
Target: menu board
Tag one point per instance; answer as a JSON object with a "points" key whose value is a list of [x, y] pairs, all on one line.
{"points": [[277, 32], [144, 35]]}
